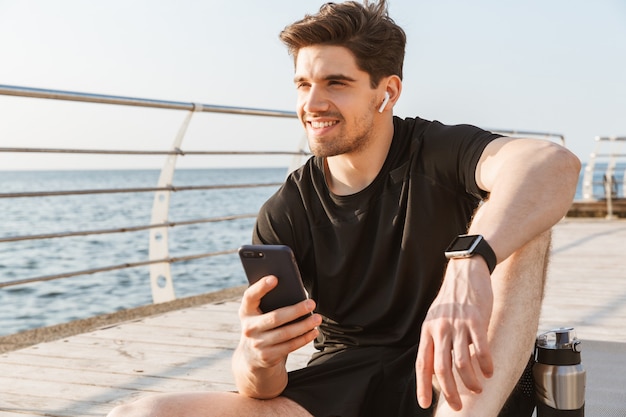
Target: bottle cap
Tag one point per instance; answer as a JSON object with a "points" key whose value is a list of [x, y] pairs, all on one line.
{"points": [[558, 347]]}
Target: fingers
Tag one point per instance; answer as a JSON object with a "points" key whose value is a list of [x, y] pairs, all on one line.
{"points": [[436, 359], [424, 372], [469, 351], [462, 360], [268, 338], [451, 355], [482, 353], [294, 336], [283, 322], [253, 294], [270, 348], [251, 300], [442, 368]]}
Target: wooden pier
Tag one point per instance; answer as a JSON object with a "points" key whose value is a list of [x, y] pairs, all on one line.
{"points": [[189, 349], [598, 208]]}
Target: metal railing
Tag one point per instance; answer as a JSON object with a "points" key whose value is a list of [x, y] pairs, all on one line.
{"points": [[159, 259], [9, 90], [610, 183]]}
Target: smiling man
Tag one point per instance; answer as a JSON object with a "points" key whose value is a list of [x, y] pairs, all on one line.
{"points": [[335, 98], [405, 323]]}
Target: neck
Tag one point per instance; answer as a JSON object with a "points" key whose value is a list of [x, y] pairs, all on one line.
{"points": [[348, 174]]}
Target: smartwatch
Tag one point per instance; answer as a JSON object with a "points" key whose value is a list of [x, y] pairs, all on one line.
{"points": [[465, 246]]}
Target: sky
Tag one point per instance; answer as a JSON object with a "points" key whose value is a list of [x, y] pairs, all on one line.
{"points": [[556, 66]]}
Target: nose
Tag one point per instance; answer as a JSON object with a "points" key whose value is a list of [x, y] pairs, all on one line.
{"points": [[314, 100]]}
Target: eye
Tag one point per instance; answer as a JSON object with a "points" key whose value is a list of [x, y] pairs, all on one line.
{"points": [[336, 83], [302, 85]]}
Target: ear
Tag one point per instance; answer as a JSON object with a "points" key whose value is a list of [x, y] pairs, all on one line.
{"points": [[392, 87]]}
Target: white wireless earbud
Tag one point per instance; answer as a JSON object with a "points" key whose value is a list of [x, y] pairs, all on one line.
{"points": [[385, 101]]}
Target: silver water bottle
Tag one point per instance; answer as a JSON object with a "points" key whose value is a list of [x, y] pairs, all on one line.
{"points": [[559, 375]]}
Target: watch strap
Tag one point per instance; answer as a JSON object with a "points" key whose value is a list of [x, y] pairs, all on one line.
{"points": [[483, 249]]}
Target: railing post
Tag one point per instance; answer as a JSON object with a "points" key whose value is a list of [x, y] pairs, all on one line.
{"points": [[589, 171], [608, 192], [161, 281]]}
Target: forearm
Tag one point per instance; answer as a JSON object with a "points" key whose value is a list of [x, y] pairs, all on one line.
{"points": [[512, 329], [261, 383], [531, 188]]}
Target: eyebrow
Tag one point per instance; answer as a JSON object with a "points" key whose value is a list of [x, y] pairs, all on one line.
{"points": [[330, 77]]}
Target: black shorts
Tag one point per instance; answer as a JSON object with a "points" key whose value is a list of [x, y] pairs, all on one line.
{"points": [[377, 381]]}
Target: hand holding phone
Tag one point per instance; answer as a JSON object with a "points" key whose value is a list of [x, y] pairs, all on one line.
{"points": [[262, 351], [262, 260]]}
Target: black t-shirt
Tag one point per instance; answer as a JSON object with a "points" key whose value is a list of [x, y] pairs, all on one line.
{"points": [[373, 261]]}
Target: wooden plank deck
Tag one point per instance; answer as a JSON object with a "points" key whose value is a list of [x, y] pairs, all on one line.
{"points": [[190, 349]]}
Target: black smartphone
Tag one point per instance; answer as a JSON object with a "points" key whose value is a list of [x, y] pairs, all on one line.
{"points": [[262, 260]]}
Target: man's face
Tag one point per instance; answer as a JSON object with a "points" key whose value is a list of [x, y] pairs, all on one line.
{"points": [[336, 103]]}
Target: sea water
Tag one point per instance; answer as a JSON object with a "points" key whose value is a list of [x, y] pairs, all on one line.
{"points": [[45, 303]]}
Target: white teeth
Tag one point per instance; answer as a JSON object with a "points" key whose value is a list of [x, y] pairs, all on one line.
{"points": [[319, 125]]}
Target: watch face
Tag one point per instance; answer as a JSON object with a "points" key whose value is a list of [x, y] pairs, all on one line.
{"points": [[465, 246], [463, 243]]}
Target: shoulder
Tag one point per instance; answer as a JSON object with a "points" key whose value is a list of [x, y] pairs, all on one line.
{"points": [[450, 154], [435, 133], [465, 141], [289, 191], [411, 127], [286, 208], [459, 133]]}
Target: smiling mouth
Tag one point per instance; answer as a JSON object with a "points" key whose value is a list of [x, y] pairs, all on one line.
{"points": [[321, 125]]}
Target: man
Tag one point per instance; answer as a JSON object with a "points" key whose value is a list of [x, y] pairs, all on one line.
{"points": [[369, 218]]}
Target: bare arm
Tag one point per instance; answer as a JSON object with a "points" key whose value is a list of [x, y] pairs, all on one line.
{"points": [[531, 185], [259, 360]]}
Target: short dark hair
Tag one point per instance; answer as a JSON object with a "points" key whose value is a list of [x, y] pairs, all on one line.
{"points": [[376, 41]]}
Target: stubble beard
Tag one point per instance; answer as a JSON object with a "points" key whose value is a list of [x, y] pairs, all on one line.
{"points": [[345, 142]]}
